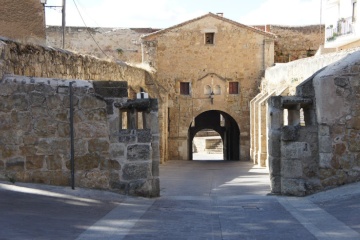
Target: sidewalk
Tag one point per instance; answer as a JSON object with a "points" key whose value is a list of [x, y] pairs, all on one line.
{"points": [[199, 200]]}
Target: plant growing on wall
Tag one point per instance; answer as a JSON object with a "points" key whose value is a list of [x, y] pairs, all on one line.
{"points": [[119, 51]]}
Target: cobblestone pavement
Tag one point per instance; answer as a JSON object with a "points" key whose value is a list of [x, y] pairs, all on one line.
{"points": [[199, 200]]}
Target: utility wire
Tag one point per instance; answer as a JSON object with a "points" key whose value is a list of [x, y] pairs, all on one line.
{"points": [[88, 29], [88, 15]]}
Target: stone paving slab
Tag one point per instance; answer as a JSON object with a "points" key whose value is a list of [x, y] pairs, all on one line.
{"points": [[200, 200]]}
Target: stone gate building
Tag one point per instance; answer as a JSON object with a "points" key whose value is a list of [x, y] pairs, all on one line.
{"points": [[207, 71]]}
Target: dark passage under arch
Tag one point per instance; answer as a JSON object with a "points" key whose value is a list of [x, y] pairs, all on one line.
{"points": [[228, 130]]}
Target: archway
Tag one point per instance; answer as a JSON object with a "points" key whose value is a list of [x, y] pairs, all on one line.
{"points": [[224, 125], [207, 145]]}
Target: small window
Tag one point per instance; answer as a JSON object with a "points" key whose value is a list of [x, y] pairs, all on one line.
{"points": [[207, 90], [185, 88], [217, 90], [233, 88], [209, 38], [123, 120]]}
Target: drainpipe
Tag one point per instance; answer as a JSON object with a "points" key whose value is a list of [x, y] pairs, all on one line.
{"points": [[72, 165]]}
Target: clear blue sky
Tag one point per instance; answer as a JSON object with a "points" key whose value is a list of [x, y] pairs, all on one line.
{"points": [[166, 13]]}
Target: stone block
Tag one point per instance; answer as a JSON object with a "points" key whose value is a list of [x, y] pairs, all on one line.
{"points": [[291, 169], [54, 102], [145, 188], [138, 152], [91, 102], [155, 166], [325, 145], [274, 144], [127, 136], [136, 171], [98, 145], [325, 160], [34, 162], [19, 102], [15, 164], [293, 187], [37, 99], [295, 150], [353, 140], [117, 150], [54, 162], [324, 130], [354, 123], [9, 151], [275, 184], [11, 137], [144, 136], [290, 133], [274, 166], [86, 162], [60, 146], [95, 115], [95, 179], [91, 130]]}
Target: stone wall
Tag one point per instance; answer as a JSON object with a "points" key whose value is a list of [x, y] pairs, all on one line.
{"points": [[282, 79], [325, 151], [34, 112], [22, 20], [295, 42], [115, 43]]}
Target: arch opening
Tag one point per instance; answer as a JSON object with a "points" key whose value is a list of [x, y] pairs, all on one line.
{"points": [[221, 123], [207, 145]]}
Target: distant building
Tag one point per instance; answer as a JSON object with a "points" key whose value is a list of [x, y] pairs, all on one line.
{"points": [[342, 27], [207, 69], [23, 20]]}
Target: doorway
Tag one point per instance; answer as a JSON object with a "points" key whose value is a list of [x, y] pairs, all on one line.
{"points": [[221, 123]]}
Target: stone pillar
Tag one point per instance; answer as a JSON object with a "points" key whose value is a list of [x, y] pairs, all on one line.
{"points": [[275, 123]]}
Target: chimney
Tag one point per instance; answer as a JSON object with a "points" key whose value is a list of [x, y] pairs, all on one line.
{"points": [[220, 14]]}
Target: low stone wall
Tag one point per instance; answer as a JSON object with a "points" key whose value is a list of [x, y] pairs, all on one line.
{"points": [[324, 153], [291, 74], [35, 136]]}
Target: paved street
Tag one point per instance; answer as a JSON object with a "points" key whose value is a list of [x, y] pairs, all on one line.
{"points": [[199, 200]]}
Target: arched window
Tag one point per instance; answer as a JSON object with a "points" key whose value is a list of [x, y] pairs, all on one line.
{"points": [[207, 90], [217, 90]]}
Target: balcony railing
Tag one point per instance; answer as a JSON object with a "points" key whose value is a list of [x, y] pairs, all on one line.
{"points": [[344, 26]]}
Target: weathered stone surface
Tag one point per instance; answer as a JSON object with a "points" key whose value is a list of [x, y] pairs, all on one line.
{"points": [[9, 151], [135, 171], [54, 162], [296, 150], [34, 162], [291, 169], [127, 136], [145, 188], [98, 145], [15, 164], [86, 162], [144, 135], [37, 99], [91, 130], [117, 150], [290, 133], [102, 179], [89, 102], [96, 115], [325, 145], [294, 187], [19, 102], [138, 152], [325, 160]]}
